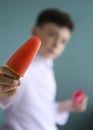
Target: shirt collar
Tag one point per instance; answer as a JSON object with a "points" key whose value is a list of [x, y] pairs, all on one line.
{"points": [[47, 62]]}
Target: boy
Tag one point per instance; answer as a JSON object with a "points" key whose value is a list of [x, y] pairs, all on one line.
{"points": [[33, 106]]}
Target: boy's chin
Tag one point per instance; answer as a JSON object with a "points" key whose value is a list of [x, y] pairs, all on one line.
{"points": [[52, 57]]}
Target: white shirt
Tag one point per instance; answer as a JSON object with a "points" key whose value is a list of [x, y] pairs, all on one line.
{"points": [[34, 107]]}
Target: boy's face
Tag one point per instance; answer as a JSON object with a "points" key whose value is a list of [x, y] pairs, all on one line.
{"points": [[53, 39]]}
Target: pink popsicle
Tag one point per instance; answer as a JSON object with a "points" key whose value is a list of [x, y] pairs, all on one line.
{"points": [[78, 96]]}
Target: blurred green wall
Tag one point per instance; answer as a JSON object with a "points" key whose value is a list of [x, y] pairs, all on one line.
{"points": [[74, 69]]}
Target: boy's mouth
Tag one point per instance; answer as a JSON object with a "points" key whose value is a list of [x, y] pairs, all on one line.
{"points": [[51, 51]]}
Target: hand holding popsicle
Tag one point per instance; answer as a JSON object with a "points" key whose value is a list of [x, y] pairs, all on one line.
{"points": [[16, 66], [9, 82], [78, 103], [79, 100]]}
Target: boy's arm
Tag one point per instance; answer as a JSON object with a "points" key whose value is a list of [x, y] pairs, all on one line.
{"points": [[63, 109]]}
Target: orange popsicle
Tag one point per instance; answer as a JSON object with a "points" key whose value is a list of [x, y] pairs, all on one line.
{"points": [[21, 59]]}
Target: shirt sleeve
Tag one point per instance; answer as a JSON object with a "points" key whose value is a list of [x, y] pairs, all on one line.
{"points": [[60, 118], [6, 102]]}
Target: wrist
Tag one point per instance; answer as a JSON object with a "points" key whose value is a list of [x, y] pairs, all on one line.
{"points": [[66, 106]]}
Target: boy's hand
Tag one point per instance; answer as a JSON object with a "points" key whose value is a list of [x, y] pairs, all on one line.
{"points": [[80, 107], [71, 106], [8, 82]]}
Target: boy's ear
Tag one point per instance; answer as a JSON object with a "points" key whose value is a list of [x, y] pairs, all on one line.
{"points": [[35, 31]]}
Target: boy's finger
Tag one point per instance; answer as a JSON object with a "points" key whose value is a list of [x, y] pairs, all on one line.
{"points": [[85, 100], [8, 81], [7, 72], [8, 94], [6, 88]]}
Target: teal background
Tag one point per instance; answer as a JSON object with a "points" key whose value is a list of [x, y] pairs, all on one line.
{"points": [[74, 69]]}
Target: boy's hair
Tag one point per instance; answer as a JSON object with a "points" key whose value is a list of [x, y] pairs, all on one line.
{"points": [[55, 16]]}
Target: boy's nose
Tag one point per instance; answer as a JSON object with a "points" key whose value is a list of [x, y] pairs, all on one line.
{"points": [[55, 44]]}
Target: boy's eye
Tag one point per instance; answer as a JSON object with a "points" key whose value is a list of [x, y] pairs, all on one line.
{"points": [[53, 34]]}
